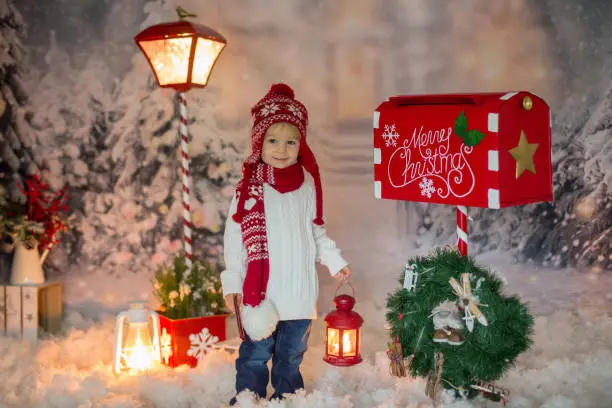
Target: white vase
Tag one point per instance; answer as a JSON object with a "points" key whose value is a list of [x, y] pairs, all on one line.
{"points": [[26, 265]]}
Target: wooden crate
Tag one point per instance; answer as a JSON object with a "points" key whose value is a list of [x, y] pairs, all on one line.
{"points": [[27, 310]]}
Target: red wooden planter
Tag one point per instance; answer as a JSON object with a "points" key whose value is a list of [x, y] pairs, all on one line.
{"points": [[185, 341]]}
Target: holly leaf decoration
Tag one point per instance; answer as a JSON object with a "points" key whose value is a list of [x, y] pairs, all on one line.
{"points": [[461, 125], [473, 137], [470, 137]]}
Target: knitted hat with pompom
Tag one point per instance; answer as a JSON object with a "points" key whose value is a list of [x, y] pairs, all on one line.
{"points": [[280, 105]]}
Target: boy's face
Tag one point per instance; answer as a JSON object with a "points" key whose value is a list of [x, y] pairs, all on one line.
{"points": [[281, 146]]}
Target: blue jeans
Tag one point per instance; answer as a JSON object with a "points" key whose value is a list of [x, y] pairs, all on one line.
{"points": [[286, 346]]}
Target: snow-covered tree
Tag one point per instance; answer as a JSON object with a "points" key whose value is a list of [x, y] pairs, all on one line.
{"points": [[115, 142], [577, 229], [16, 158], [16, 136]]}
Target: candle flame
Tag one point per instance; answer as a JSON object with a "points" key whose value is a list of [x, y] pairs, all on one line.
{"points": [[140, 356], [348, 343]]}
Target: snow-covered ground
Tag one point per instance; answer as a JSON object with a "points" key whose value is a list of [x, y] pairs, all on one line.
{"points": [[568, 366]]}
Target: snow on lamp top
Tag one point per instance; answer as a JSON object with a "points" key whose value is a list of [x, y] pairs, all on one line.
{"points": [[181, 54]]}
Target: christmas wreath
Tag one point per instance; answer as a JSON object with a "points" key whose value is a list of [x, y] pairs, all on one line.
{"points": [[452, 322]]}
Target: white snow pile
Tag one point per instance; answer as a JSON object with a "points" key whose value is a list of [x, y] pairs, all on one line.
{"points": [[568, 366]]}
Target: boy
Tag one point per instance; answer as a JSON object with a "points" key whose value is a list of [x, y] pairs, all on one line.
{"points": [[273, 237]]}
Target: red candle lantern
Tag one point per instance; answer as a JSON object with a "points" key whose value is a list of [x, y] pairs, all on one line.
{"points": [[343, 337]]}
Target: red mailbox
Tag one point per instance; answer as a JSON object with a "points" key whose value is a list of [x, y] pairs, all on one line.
{"points": [[490, 150]]}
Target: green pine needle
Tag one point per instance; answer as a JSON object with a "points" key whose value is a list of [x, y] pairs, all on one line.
{"points": [[204, 295]]}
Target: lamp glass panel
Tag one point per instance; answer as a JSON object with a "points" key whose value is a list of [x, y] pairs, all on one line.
{"points": [[169, 58], [349, 343], [206, 54], [333, 342], [137, 350]]}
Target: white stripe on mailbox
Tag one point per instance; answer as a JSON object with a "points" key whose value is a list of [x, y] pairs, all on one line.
{"points": [[493, 198], [493, 160], [377, 156], [493, 122], [507, 96], [376, 119], [377, 189]]}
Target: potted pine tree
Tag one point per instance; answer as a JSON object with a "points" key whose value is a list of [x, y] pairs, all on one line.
{"points": [[192, 316]]}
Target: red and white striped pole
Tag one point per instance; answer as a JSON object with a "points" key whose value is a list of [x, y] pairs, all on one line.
{"points": [[185, 180], [462, 230]]}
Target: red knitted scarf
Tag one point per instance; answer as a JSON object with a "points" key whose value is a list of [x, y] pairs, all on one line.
{"points": [[253, 224]]}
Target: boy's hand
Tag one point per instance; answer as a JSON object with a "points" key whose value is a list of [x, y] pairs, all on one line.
{"points": [[343, 274], [229, 301]]}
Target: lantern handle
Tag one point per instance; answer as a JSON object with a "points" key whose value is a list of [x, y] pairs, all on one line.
{"points": [[118, 341], [342, 283]]}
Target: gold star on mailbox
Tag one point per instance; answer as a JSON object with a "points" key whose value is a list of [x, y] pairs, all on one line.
{"points": [[523, 154]]}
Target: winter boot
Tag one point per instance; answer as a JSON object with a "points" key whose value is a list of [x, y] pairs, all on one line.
{"points": [[455, 337], [440, 336]]}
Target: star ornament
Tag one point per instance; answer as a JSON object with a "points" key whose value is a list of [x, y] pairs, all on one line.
{"points": [[523, 154]]}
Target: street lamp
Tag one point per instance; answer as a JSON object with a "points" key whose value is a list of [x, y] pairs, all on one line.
{"points": [[182, 55]]}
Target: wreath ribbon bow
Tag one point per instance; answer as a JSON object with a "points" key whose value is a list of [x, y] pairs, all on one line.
{"points": [[468, 302]]}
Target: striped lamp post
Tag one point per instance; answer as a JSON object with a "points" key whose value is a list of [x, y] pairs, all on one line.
{"points": [[185, 179], [182, 55]]}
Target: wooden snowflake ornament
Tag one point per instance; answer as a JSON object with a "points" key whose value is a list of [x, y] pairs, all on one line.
{"points": [[201, 343], [468, 302]]}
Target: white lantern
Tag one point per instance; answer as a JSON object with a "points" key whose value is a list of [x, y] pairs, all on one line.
{"points": [[136, 345]]}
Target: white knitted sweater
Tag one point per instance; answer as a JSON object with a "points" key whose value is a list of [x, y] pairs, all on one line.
{"points": [[295, 243]]}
